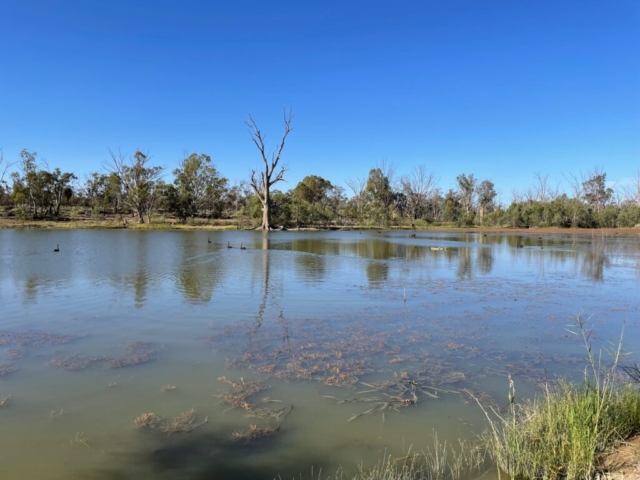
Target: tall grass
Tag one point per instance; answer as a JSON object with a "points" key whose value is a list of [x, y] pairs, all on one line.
{"points": [[565, 430], [442, 462]]}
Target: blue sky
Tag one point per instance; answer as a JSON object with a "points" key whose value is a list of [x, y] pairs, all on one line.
{"points": [[500, 89]]}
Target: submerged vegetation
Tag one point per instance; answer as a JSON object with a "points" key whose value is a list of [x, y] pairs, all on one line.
{"points": [[566, 431], [184, 423]]}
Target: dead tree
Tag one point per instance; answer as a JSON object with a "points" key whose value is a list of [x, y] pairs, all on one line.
{"points": [[262, 185], [6, 167]]}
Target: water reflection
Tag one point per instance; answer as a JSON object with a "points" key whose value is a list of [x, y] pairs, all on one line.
{"points": [[137, 263], [200, 272], [377, 273], [311, 268], [594, 262], [465, 264], [484, 260]]}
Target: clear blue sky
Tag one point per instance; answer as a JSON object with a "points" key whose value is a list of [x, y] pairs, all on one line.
{"points": [[500, 89]]}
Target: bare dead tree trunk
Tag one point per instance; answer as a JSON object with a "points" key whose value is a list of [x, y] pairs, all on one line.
{"points": [[262, 185]]}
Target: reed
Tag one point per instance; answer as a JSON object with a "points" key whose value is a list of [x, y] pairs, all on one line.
{"points": [[440, 462], [566, 431]]}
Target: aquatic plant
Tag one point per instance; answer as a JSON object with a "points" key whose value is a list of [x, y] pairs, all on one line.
{"points": [[183, 423], [7, 369], [566, 430]]}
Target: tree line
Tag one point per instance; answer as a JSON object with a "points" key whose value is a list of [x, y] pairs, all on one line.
{"points": [[130, 184]]}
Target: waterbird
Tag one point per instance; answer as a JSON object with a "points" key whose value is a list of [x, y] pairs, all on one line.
{"points": [[229, 245], [413, 235], [242, 247], [208, 240], [57, 249]]}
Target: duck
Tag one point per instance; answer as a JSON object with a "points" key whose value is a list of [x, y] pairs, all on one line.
{"points": [[208, 240], [229, 245], [242, 247], [57, 249]]}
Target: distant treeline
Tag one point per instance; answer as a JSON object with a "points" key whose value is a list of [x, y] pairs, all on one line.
{"points": [[132, 185]]}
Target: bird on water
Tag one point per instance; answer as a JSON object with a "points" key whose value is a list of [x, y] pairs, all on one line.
{"points": [[208, 240], [57, 249], [242, 247], [229, 245]]}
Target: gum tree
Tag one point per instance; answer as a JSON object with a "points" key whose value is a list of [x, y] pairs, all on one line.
{"points": [[138, 180], [261, 183]]}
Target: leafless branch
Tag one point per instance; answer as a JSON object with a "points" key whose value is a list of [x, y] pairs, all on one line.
{"points": [[6, 167], [271, 163], [575, 184], [543, 192]]}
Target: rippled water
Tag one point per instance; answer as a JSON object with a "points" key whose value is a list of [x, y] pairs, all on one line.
{"points": [[311, 316]]}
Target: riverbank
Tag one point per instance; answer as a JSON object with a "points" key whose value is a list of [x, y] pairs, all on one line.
{"points": [[221, 224]]}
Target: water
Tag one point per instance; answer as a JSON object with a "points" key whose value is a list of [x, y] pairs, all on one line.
{"points": [[311, 316]]}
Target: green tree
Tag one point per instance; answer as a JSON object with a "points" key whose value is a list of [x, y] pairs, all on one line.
{"points": [[452, 207], [595, 191], [466, 190], [313, 189], [137, 179], [199, 185], [380, 194], [311, 200], [58, 185], [486, 197]]}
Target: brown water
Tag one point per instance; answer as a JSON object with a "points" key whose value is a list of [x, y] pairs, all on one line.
{"points": [[310, 316]]}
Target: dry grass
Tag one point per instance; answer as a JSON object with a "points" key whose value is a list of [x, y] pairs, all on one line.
{"points": [[184, 423], [254, 432], [149, 420], [56, 413], [238, 393], [80, 438]]}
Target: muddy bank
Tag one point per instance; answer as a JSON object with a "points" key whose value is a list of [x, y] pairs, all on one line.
{"points": [[624, 462]]}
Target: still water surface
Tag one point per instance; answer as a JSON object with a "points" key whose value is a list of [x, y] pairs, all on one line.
{"points": [[307, 317]]}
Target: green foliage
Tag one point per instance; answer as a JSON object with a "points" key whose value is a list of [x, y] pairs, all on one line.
{"points": [[452, 207], [595, 191], [561, 433], [138, 181], [199, 188]]}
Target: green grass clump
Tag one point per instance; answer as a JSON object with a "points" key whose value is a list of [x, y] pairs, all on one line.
{"points": [[564, 432], [443, 462]]}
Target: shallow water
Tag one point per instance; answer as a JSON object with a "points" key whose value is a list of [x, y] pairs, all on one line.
{"points": [[312, 316]]}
